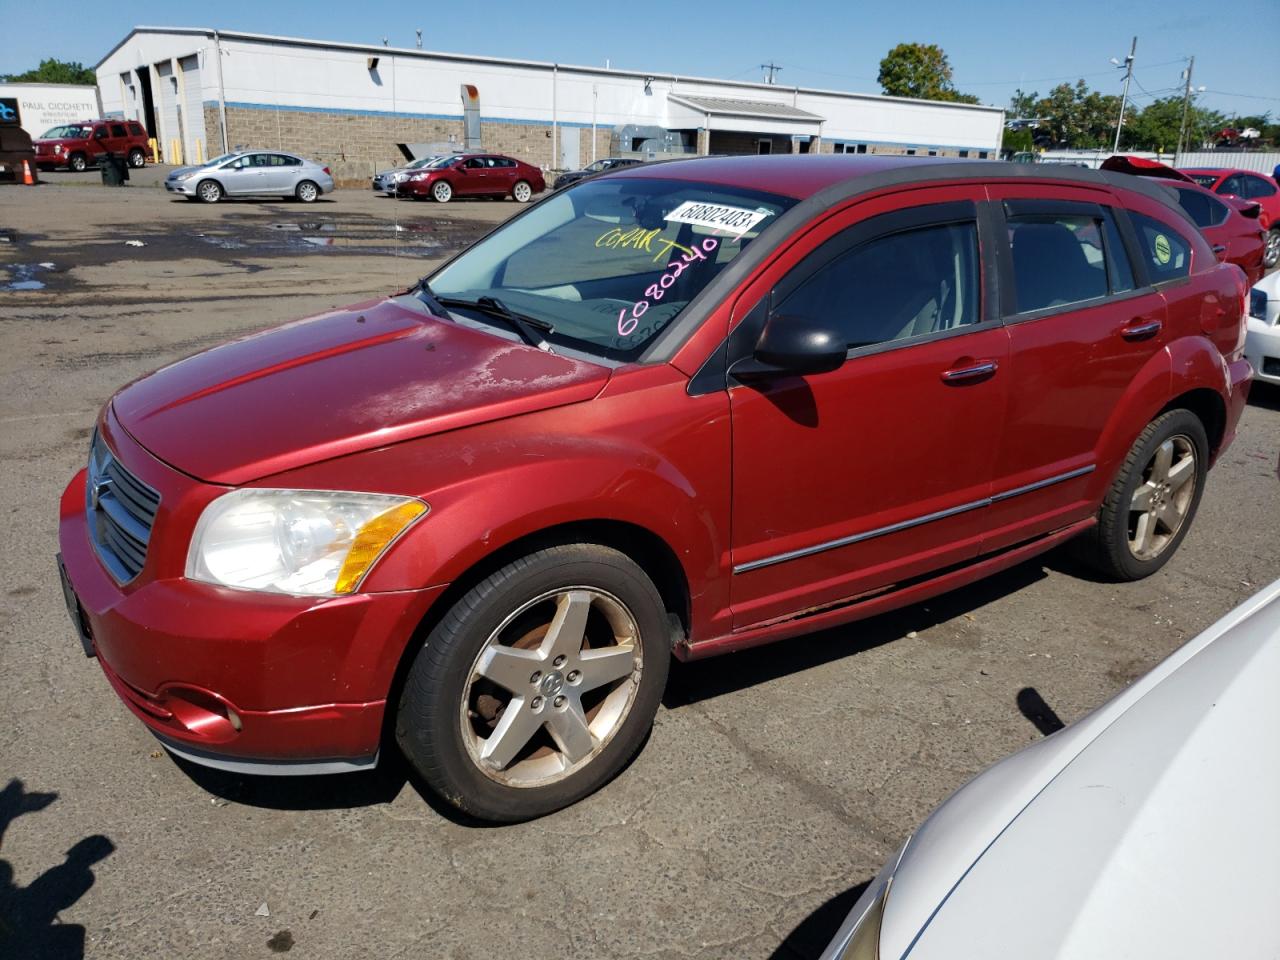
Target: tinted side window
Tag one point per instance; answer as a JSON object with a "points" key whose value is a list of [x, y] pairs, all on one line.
{"points": [[1056, 260], [100, 133], [1119, 269], [136, 130], [1256, 187], [1202, 208], [117, 130], [895, 287], [1167, 254], [1233, 185]]}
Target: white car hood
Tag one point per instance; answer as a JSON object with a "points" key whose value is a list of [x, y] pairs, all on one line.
{"points": [[1148, 829]]}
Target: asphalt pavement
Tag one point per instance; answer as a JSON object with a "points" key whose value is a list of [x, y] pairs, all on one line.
{"points": [[775, 782]]}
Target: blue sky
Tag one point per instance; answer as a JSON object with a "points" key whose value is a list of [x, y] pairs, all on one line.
{"points": [[994, 47]]}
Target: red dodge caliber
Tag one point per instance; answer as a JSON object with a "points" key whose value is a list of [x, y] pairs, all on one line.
{"points": [[681, 409]]}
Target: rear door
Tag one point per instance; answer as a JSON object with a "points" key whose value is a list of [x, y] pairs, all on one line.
{"points": [[1082, 323], [851, 481], [503, 173]]}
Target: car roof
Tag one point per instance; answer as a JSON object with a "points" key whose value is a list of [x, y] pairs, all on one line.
{"points": [[802, 176]]}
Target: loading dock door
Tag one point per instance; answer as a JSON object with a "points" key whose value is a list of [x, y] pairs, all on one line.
{"points": [[193, 110], [569, 147], [170, 109]]}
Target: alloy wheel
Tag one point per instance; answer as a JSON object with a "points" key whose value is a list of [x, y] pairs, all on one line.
{"points": [[1271, 255], [551, 686], [210, 192], [522, 192], [307, 191], [1163, 499], [442, 191]]}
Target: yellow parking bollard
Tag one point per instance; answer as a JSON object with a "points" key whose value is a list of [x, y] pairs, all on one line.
{"points": [[199, 152], [155, 149], [175, 152]]}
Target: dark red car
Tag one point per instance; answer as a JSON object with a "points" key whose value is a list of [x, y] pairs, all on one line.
{"points": [[682, 409], [1247, 185], [80, 145], [474, 175], [1231, 225]]}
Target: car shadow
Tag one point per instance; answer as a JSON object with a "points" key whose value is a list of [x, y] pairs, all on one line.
{"points": [[30, 926], [812, 934], [1265, 395], [701, 680]]}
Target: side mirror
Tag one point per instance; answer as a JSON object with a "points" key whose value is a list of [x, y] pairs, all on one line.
{"points": [[794, 345]]}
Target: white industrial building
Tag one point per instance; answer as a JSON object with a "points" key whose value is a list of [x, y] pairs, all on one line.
{"points": [[201, 91], [38, 107]]}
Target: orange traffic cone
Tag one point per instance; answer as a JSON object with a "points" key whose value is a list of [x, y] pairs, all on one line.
{"points": [[28, 178]]}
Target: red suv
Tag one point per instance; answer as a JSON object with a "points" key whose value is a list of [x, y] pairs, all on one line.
{"points": [[473, 175], [79, 145], [682, 409]]}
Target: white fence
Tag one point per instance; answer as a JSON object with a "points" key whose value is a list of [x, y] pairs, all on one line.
{"points": [[1237, 160]]}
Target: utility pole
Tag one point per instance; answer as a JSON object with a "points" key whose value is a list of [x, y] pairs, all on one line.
{"points": [[1124, 97], [773, 69], [1186, 106]]}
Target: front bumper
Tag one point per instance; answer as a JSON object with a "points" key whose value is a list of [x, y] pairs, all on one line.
{"points": [[1262, 348], [232, 678], [185, 187]]}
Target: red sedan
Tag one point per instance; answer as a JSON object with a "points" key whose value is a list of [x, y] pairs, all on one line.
{"points": [[474, 175], [1230, 224], [1247, 185]]}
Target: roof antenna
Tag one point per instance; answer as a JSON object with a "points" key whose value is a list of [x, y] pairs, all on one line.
{"points": [[419, 33]]}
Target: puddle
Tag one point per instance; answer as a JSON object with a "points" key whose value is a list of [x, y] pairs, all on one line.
{"points": [[371, 243], [22, 276]]}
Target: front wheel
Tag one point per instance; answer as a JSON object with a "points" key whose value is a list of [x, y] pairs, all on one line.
{"points": [[306, 191], [210, 191], [78, 162], [1271, 253], [522, 192], [538, 685], [137, 159], [1152, 500], [441, 192]]}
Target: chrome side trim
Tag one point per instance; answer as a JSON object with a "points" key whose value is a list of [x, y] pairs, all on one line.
{"points": [[908, 524], [270, 768], [1041, 484]]}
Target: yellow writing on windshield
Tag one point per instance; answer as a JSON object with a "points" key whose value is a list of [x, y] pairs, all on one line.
{"points": [[638, 238]]}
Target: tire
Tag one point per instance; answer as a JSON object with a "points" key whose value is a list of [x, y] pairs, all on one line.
{"points": [[441, 192], [306, 191], [1271, 253], [137, 159], [522, 192], [451, 722], [210, 191], [1125, 547], [78, 162]]}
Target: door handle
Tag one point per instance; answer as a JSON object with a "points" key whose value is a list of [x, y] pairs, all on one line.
{"points": [[1141, 329], [972, 371]]}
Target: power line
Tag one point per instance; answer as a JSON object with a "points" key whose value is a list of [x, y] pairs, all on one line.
{"points": [[1247, 96], [1070, 76]]}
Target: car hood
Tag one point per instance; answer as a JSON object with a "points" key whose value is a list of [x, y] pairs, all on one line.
{"points": [[1157, 838], [1142, 167], [353, 379]]}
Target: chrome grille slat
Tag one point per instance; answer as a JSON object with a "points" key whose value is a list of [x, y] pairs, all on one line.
{"points": [[120, 510]]}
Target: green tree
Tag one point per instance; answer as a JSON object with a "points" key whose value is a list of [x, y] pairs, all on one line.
{"points": [[1022, 105], [55, 71], [920, 71], [1073, 117]]}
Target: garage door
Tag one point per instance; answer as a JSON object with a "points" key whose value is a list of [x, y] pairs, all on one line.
{"points": [[192, 109], [166, 95]]}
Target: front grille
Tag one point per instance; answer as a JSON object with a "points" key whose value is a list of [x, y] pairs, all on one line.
{"points": [[120, 509]]}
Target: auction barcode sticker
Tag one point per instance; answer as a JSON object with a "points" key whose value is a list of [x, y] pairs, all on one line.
{"points": [[716, 216]]}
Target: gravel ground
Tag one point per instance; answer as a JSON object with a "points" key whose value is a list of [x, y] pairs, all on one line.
{"points": [[772, 788]]}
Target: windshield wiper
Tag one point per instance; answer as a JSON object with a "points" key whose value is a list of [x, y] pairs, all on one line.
{"points": [[527, 327], [423, 287]]}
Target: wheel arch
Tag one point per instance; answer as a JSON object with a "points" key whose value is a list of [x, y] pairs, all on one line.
{"points": [[1209, 408]]}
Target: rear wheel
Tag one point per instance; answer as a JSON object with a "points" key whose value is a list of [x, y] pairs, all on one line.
{"points": [[441, 192], [306, 191], [538, 685], [78, 162], [1271, 254], [1152, 500], [522, 192], [137, 159], [210, 191]]}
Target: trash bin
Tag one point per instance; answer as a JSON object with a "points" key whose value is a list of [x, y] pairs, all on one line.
{"points": [[115, 170]]}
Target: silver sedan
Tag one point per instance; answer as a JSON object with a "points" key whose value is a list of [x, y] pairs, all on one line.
{"points": [[252, 173]]}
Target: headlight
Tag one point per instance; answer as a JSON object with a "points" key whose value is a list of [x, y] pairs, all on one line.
{"points": [[420, 176], [185, 176], [1258, 303], [859, 936], [401, 177], [57, 148], [304, 542]]}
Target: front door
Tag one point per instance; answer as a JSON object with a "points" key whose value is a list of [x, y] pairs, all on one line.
{"points": [[1082, 323], [849, 482], [242, 176], [472, 177]]}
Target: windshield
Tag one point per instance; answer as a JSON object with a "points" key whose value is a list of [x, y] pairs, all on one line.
{"points": [[612, 263], [425, 162], [73, 131], [213, 161]]}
